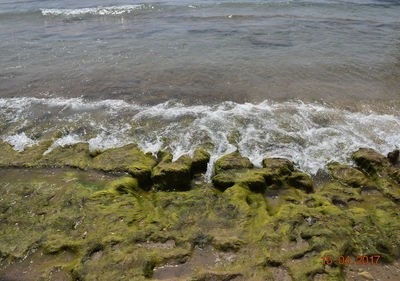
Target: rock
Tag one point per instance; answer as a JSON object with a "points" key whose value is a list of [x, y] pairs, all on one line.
{"points": [[126, 159], [276, 170], [75, 156], [301, 181], [200, 161], [30, 157], [224, 180], [393, 156], [283, 166], [366, 275], [232, 161], [168, 175], [349, 175], [253, 179], [370, 160]]}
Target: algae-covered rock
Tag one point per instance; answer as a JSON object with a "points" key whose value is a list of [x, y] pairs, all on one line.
{"points": [[301, 181], [168, 175], [280, 165], [349, 176], [75, 156], [224, 180], [370, 160], [251, 178], [393, 156], [126, 159], [232, 161], [90, 225], [30, 157], [200, 161]]}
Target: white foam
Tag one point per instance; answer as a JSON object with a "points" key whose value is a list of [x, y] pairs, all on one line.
{"points": [[109, 138], [19, 141], [63, 141], [111, 10], [309, 134]]}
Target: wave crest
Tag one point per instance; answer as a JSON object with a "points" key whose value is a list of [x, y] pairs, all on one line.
{"points": [[111, 10]]}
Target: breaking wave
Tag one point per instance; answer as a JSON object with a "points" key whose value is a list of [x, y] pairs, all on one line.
{"points": [[309, 134], [111, 10]]}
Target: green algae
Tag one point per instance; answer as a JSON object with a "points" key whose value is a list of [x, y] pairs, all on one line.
{"points": [[232, 161], [111, 226]]}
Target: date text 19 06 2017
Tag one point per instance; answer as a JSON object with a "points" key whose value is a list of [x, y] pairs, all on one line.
{"points": [[347, 260]]}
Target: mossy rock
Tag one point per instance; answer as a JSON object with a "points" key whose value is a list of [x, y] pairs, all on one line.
{"points": [[301, 181], [370, 160], [30, 157], [111, 230], [251, 178], [232, 161], [394, 156], [75, 156], [281, 165], [126, 159], [349, 176], [224, 180], [200, 161], [168, 175]]}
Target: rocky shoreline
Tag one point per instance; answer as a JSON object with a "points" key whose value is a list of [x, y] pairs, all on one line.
{"points": [[121, 214]]}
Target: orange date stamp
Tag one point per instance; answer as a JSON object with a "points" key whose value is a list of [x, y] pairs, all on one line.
{"points": [[343, 260]]}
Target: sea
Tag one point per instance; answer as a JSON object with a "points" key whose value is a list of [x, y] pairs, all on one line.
{"points": [[308, 80]]}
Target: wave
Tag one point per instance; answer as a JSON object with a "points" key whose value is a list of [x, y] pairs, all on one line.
{"points": [[111, 10], [309, 134]]}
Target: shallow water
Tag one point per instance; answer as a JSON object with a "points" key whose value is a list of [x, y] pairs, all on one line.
{"points": [[308, 80], [201, 51]]}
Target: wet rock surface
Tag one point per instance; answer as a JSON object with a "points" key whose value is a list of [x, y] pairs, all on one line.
{"points": [[72, 214]]}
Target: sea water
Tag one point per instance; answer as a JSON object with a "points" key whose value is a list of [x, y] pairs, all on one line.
{"points": [[311, 81]]}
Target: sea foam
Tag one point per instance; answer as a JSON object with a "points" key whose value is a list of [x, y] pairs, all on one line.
{"points": [[111, 10], [309, 134]]}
